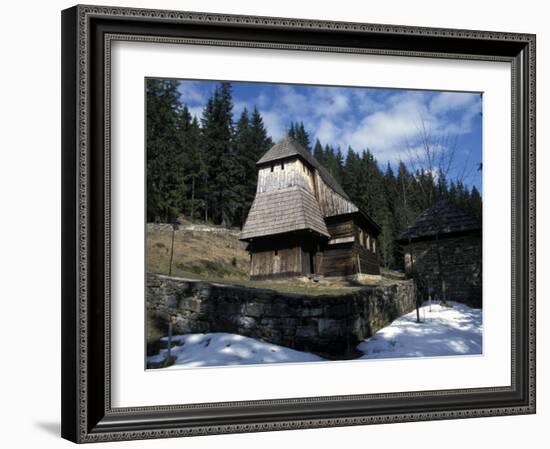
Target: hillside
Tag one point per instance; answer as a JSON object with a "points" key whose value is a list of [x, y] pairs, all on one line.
{"points": [[199, 252]]}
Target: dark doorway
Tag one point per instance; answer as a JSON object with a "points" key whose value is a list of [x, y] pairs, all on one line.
{"points": [[312, 262]]}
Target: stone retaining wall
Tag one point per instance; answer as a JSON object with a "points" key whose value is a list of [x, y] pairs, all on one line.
{"points": [[165, 227], [330, 326]]}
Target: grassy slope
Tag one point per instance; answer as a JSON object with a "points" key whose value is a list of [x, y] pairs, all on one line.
{"points": [[197, 253]]}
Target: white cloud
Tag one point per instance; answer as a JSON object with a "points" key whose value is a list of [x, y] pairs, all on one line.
{"points": [[327, 131], [388, 122], [191, 93], [388, 131], [447, 101], [291, 101], [195, 111], [329, 101], [275, 123], [262, 101], [467, 104], [391, 124], [238, 108]]}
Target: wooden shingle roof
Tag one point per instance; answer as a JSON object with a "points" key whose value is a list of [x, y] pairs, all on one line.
{"points": [[288, 147], [281, 211], [443, 218]]}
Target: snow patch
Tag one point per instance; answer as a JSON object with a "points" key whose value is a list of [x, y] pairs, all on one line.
{"points": [[443, 331], [221, 349]]}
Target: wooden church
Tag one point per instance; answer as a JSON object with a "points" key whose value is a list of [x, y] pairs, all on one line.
{"points": [[303, 223]]}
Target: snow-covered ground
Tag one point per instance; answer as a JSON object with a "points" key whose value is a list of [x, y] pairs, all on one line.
{"points": [[455, 330], [218, 349], [443, 331]]}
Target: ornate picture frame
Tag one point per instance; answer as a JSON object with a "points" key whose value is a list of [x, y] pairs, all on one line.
{"points": [[87, 35]]}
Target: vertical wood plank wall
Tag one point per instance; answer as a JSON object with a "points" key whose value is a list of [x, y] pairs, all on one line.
{"points": [[330, 202], [286, 261], [294, 173]]}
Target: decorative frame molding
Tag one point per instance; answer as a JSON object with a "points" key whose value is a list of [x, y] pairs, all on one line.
{"points": [[87, 34]]}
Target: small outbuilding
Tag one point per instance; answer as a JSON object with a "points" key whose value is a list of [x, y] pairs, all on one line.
{"points": [[301, 221], [443, 251]]}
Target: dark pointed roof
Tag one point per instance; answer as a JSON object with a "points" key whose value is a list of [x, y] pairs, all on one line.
{"points": [[288, 147], [443, 218]]}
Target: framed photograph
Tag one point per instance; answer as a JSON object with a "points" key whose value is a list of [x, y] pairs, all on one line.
{"points": [[275, 224]]}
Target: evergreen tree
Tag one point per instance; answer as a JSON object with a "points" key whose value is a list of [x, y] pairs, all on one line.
{"points": [[475, 206], [339, 167], [452, 194], [406, 206], [261, 141], [166, 161], [462, 195], [373, 195], [246, 161], [250, 142], [298, 132], [292, 130], [217, 139], [442, 186], [254, 144], [386, 244], [318, 151], [303, 137], [351, 174], [193, 179], [330, 162], [389, 249]]}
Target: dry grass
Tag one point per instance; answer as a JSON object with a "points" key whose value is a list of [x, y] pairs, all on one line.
{"points": [[197, 253], [222, 258]]}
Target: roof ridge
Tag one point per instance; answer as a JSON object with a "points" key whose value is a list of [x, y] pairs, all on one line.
{"points": [[452, 219]]}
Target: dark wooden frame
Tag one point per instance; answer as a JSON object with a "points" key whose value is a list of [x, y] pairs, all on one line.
{"points": [[87, 32]]}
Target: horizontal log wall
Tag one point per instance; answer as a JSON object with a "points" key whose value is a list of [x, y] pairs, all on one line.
{"points": [[338, 260], [340, 229], [368, 260], [344, 259]]}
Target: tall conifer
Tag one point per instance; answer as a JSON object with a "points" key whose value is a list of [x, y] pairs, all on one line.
{"points": [[165, 157]]}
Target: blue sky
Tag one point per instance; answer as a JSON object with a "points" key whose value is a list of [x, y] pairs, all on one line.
{"points": [[390, 122]]}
